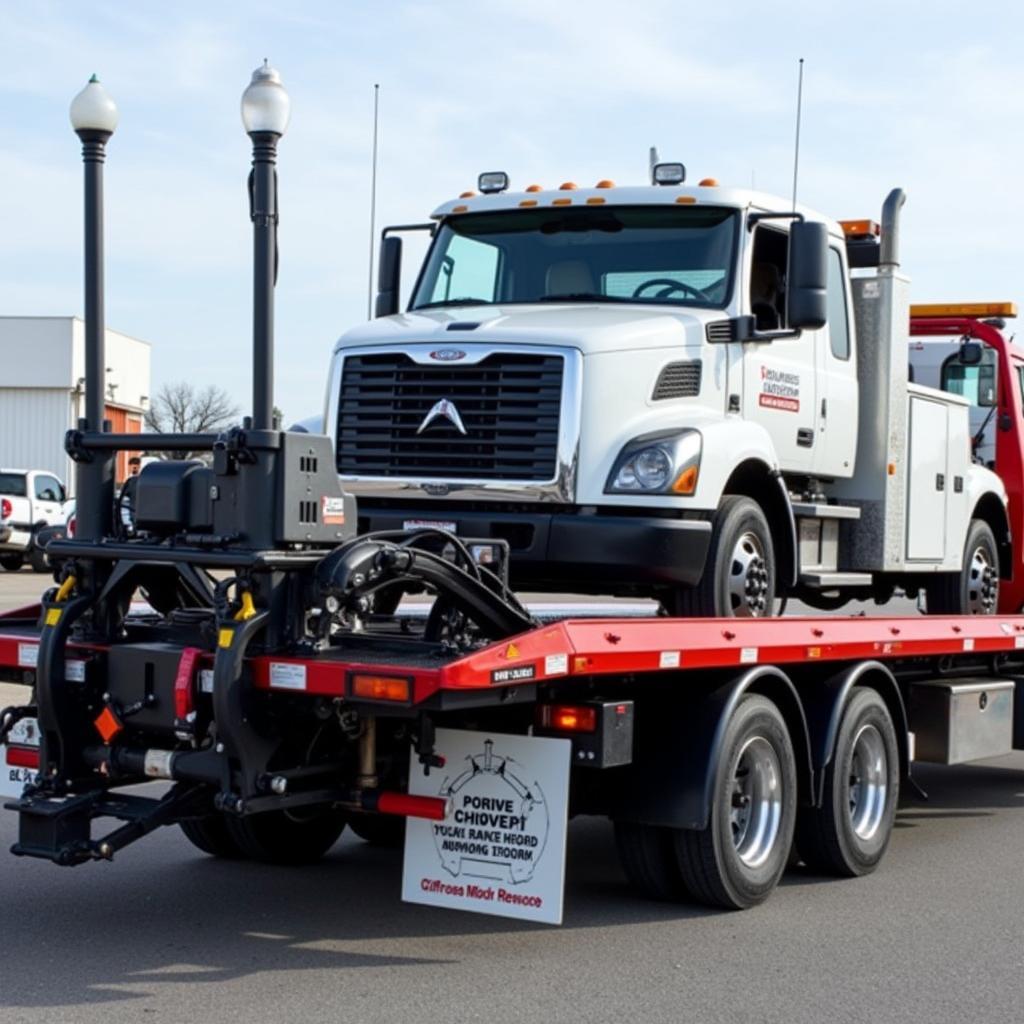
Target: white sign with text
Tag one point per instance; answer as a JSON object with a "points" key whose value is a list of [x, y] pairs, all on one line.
{"points": [[501, 849]]}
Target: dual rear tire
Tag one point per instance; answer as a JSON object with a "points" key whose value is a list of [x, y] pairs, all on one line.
{"points": [[738, 858]]}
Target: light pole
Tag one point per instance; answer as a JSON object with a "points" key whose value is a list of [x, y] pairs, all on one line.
{"points": [[265, 110], [94, 118]]}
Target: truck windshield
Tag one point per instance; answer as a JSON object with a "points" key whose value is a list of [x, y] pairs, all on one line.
{"points": [[663, 255], [13, 484]]}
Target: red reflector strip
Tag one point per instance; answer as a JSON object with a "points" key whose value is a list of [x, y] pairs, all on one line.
{"points": [[23, 757], [568, 717], [407, 805]]}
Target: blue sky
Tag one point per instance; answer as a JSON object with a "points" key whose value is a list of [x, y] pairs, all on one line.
{"points": [[928, 96]]}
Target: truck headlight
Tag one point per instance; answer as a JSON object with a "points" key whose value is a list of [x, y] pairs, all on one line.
{"points": [[663, 463]]}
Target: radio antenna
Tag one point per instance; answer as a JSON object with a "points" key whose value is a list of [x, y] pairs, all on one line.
{"points": [[799, 108], [373, 203]]}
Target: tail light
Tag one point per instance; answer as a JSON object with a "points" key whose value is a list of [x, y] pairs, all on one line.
{"points": [[72, 522], [373, 687], [5, 509], [23, 757], [568, 717]]}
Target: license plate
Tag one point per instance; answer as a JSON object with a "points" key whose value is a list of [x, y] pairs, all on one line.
{"points": [[24, 736], [430, 524]]}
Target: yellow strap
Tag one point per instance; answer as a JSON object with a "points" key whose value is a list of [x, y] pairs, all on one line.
{"points": [[65, 590], [248, 609]]}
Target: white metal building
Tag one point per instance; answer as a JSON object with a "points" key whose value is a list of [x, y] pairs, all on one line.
{"points": [[42, 389]]}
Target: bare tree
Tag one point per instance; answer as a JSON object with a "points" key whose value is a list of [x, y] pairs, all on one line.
{"points": [[182, 408]]}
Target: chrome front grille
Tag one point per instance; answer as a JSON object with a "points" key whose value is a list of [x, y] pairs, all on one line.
{"points": [[508, 405]]}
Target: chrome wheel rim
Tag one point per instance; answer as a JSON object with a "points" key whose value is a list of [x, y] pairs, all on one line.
{"points": [[982, 583], [755, 815], [748, 577], [868, 783]]}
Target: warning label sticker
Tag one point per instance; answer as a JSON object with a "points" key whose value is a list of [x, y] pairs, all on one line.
{"points": [[501, 849], [332, 510]]}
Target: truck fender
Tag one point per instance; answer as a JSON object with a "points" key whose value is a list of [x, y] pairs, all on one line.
{"points": [[990, 507], [672, 779], [728, 444], [824, 701], [788, 561]]}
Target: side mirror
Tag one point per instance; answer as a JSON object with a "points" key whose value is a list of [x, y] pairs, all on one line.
{"points": [[389, 276], [971, 353], [807, 291]]}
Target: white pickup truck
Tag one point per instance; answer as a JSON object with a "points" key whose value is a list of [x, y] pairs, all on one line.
{"points": [[30, 500], [693, 393]]}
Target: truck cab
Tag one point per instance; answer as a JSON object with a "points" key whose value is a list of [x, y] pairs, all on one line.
{"points": [[652, 390]]}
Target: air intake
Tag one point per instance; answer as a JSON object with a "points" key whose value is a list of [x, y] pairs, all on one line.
{"points": [[678, 380], [721, 331]]}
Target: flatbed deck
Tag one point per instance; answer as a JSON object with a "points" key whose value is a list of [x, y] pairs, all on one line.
{"points": [[588, 647]]}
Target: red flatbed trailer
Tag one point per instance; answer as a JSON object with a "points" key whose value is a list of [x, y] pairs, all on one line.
{"points": [[690, 682]]}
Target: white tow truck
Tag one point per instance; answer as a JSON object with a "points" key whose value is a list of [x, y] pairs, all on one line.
{"points": [[694, 393], [30, 501]]}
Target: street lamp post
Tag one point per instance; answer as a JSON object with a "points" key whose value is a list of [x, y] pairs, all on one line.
{"points": [[265, 111], [94, 118]]}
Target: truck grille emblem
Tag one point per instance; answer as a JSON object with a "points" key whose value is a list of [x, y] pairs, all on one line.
{"points": [[448, 411]]}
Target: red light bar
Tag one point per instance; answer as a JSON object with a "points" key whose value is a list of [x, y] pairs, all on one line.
{"points": [[23, 757]]}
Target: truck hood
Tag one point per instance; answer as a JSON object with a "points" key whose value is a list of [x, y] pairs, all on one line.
{"points": [[589, 327]]}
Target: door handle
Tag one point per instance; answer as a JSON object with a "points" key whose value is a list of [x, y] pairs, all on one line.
{"points": [[940, 481], [805, 437]]}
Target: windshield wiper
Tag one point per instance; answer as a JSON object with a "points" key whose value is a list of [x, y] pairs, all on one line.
{"points": [[581, 297], [466, 301]]}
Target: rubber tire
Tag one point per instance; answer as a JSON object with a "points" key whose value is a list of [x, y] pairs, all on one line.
{"points": [[385, 830], [711, 868], [825, 836], [278, 837], [709, 598], [648, 858], [11, 563], [211, 835], [38, 559], [947, 594]]}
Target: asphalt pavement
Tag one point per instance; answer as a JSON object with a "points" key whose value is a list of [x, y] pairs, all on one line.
{"points": [[165, 933]]}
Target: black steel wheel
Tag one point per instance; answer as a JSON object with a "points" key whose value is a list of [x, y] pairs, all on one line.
{"points": [[974, 590], [738, 859], [848, 835], [287, 837], [739, 574], [211, 835], [12, 563]]}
